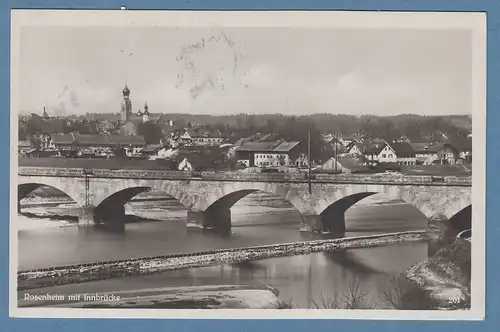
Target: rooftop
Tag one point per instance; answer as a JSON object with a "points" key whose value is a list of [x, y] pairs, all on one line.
{"points": [[258, 146], [286, 146], [267, 146], [110, 140], [402, 148]]}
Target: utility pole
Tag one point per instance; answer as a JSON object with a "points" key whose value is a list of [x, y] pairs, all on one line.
{"points": [[309, 162], [335, 141]]}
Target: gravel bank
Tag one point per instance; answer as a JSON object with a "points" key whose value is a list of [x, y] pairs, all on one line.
{"points": [[139, 266], [445, 278]]}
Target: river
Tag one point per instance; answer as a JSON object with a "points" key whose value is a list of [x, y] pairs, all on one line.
{"points": [[305, 281]]}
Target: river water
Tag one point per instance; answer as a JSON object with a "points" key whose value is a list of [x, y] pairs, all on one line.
{"points": [[305, 281]]}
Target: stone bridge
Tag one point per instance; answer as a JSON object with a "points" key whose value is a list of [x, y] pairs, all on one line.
{"points": [[208, 196]]}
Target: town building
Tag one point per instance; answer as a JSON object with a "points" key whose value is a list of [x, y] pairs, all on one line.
{"points": [[346, 165], [405, 154], [96, 144], [355, 138], [435, 153], [267, 153], [25, 148], [145, 114], [151, 150], [332, 139], [202, 137], [128, 129], [129, 120], [465, 154], [199, 159], [373, 152]]}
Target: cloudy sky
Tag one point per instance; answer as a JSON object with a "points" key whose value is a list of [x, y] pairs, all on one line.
{"points": [[246, 70]]}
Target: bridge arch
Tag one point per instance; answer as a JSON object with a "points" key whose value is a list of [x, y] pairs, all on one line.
{"points": [[216, 205], [433, 204], [230, 193], [118, 191], [462, 220], [26, 186]]}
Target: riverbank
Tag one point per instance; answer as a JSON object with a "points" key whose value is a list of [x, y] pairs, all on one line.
{"points": [[140, 266], [445, 278]]}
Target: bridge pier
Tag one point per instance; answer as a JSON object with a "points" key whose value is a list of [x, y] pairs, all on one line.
{"points": [[195, 219], [91, 215], [87, 216], [330, 222], [311, 223], [110, 214], [210, 218]]}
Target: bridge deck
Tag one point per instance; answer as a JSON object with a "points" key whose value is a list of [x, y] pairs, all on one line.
{"points": [[255, 177]]}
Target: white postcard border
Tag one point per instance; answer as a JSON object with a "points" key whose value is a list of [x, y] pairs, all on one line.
{"points": [[475, 22]]}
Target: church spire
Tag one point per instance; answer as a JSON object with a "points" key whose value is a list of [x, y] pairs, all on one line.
{"points": [[145, 114], [126, 91], [126, 105]]}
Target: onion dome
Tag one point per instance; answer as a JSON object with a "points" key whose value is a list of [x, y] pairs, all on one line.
{"points": [[126, 90]]}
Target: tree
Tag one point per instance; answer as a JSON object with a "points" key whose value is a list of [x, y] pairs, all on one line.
{"points": [[270, 126], [151, 132], [250, 123], [294, 129]]}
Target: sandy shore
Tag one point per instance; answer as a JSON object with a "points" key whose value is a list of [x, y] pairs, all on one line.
{"points": [[195, 297]]}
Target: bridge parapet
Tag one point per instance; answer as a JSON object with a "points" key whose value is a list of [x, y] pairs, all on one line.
{"points": [[387, 178], [142, 174], [49, 171]]}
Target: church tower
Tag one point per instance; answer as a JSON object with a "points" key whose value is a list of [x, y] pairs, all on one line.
{"points": [[126, 105], [45, 115], [145, 114]]}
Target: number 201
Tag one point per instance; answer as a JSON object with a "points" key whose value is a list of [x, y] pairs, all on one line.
{"points": [[454, 300]]}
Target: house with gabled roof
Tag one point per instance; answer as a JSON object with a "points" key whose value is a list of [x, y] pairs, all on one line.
{"points": [[355, 138], [203, 137], [405, 154], [347, 165], [266, 153], [435, 153], [95, 143], [373, 152]]}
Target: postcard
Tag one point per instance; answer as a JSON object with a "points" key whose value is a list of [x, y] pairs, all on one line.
{"points": [[248, 164]]}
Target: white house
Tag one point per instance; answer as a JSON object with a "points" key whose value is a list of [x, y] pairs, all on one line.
{"points": [[343, 165], [204, 138], [373, 152], [265, 153], [185, 165], [405, 153], [387, 154], [439, 153], [164, 153]]}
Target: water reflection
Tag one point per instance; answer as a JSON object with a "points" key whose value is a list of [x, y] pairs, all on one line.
{"points": [[307, 281]]}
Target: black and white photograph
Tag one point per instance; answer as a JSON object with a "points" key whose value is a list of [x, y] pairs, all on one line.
{"points": [[281, 164]]}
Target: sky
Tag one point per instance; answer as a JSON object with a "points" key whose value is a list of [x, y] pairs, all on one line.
{"points": [[74, 70]]}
